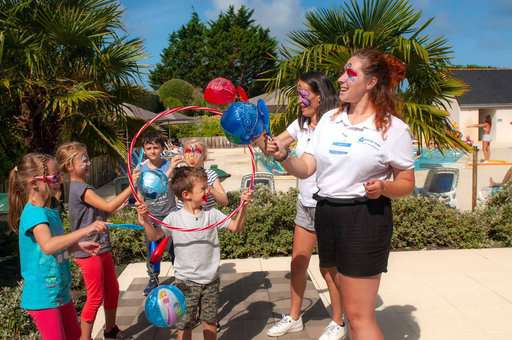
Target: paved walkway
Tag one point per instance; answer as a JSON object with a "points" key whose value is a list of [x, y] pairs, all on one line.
{"points": [[431, 295]]}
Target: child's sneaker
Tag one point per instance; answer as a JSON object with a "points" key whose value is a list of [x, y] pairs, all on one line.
{"points": [[286, 325], [115, 334], [152, 284], [333, 331]]}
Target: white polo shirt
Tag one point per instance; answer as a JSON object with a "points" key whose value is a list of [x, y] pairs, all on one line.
{"points": [[349, 155], [307, 187]]}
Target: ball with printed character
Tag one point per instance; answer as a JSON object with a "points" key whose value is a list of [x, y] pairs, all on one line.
{"points": [[165, 306]]}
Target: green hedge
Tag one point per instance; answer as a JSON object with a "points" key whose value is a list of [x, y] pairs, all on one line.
{"points": [[422, 223], [208, 126], [269, 226], [496, 217], [16, 324]]}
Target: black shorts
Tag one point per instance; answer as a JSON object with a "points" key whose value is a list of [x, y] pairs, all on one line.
{"points": [[354, 236]]}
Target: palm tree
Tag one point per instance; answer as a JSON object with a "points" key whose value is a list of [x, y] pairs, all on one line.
{"points": [[64, 73], [331, 35]]}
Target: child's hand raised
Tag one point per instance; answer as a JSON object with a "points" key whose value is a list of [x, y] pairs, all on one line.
{"points": [[135, 176], [176, 160], [96, 227], [90, 247], [142, 213], [246, 197]]}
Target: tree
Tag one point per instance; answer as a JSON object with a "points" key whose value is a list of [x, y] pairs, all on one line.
{"points": [[177, 89], [331, 35], [232, 46], [146, 99], [187, 48], [65, 72]]}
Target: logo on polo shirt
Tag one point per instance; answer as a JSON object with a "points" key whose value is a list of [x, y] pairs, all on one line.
{"points": [[344, 148], [369, 142]]}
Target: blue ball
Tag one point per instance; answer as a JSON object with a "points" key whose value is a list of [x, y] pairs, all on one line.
{"points": [[241, 122], [153, 183], [165, 305]]}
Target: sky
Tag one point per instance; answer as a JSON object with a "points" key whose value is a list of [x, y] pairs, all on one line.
{"points": [[480, 32]]}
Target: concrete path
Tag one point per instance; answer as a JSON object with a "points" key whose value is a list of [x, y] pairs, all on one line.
{"points": [[431, 295]]}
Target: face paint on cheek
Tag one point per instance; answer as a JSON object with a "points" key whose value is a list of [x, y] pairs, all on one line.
{"points": [[303, 98], [85, 161]]}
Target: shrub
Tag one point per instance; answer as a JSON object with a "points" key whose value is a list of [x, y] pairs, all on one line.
{"points": [[496, 217], [206, 127], [127, 245], [16, 324], [269, 226], [171, 102], [177, 88], [426, 223]]}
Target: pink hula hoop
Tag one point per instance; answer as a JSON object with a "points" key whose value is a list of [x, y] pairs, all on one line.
{"points": [[132, 187]]}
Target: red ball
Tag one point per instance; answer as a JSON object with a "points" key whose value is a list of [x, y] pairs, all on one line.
{"points": [[220, 91]]}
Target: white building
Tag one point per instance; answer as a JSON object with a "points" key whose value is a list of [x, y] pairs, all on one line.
{"points": [[490, 94]]}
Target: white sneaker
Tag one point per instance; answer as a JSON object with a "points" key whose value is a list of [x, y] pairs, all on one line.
{"points": [[286, 325], [333, 331]]}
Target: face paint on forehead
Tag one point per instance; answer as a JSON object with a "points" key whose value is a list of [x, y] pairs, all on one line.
{"points": [[194, 149], [303, 97]]}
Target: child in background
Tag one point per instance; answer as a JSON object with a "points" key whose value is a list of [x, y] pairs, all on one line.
{"points": [[194, 155], [85, 207], [197, 252], [44, 247], [161, 206]]}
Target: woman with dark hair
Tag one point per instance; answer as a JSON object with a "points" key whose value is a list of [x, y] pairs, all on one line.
{"points": [[486, 136], [316, 96], [363, 156]]}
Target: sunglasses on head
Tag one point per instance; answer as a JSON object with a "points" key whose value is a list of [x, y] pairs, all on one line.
{"points": [[52, 179]]}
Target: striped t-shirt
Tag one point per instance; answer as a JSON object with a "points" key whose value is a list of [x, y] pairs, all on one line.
{"points": [[210, 203]]}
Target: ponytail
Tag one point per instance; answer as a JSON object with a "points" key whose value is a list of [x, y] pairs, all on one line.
{"points": [[396, 70], [17, 199], [32, 164]]}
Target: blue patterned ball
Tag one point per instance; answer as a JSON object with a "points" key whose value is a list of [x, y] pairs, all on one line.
{"points": [[153, 183], [165, 305]]}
